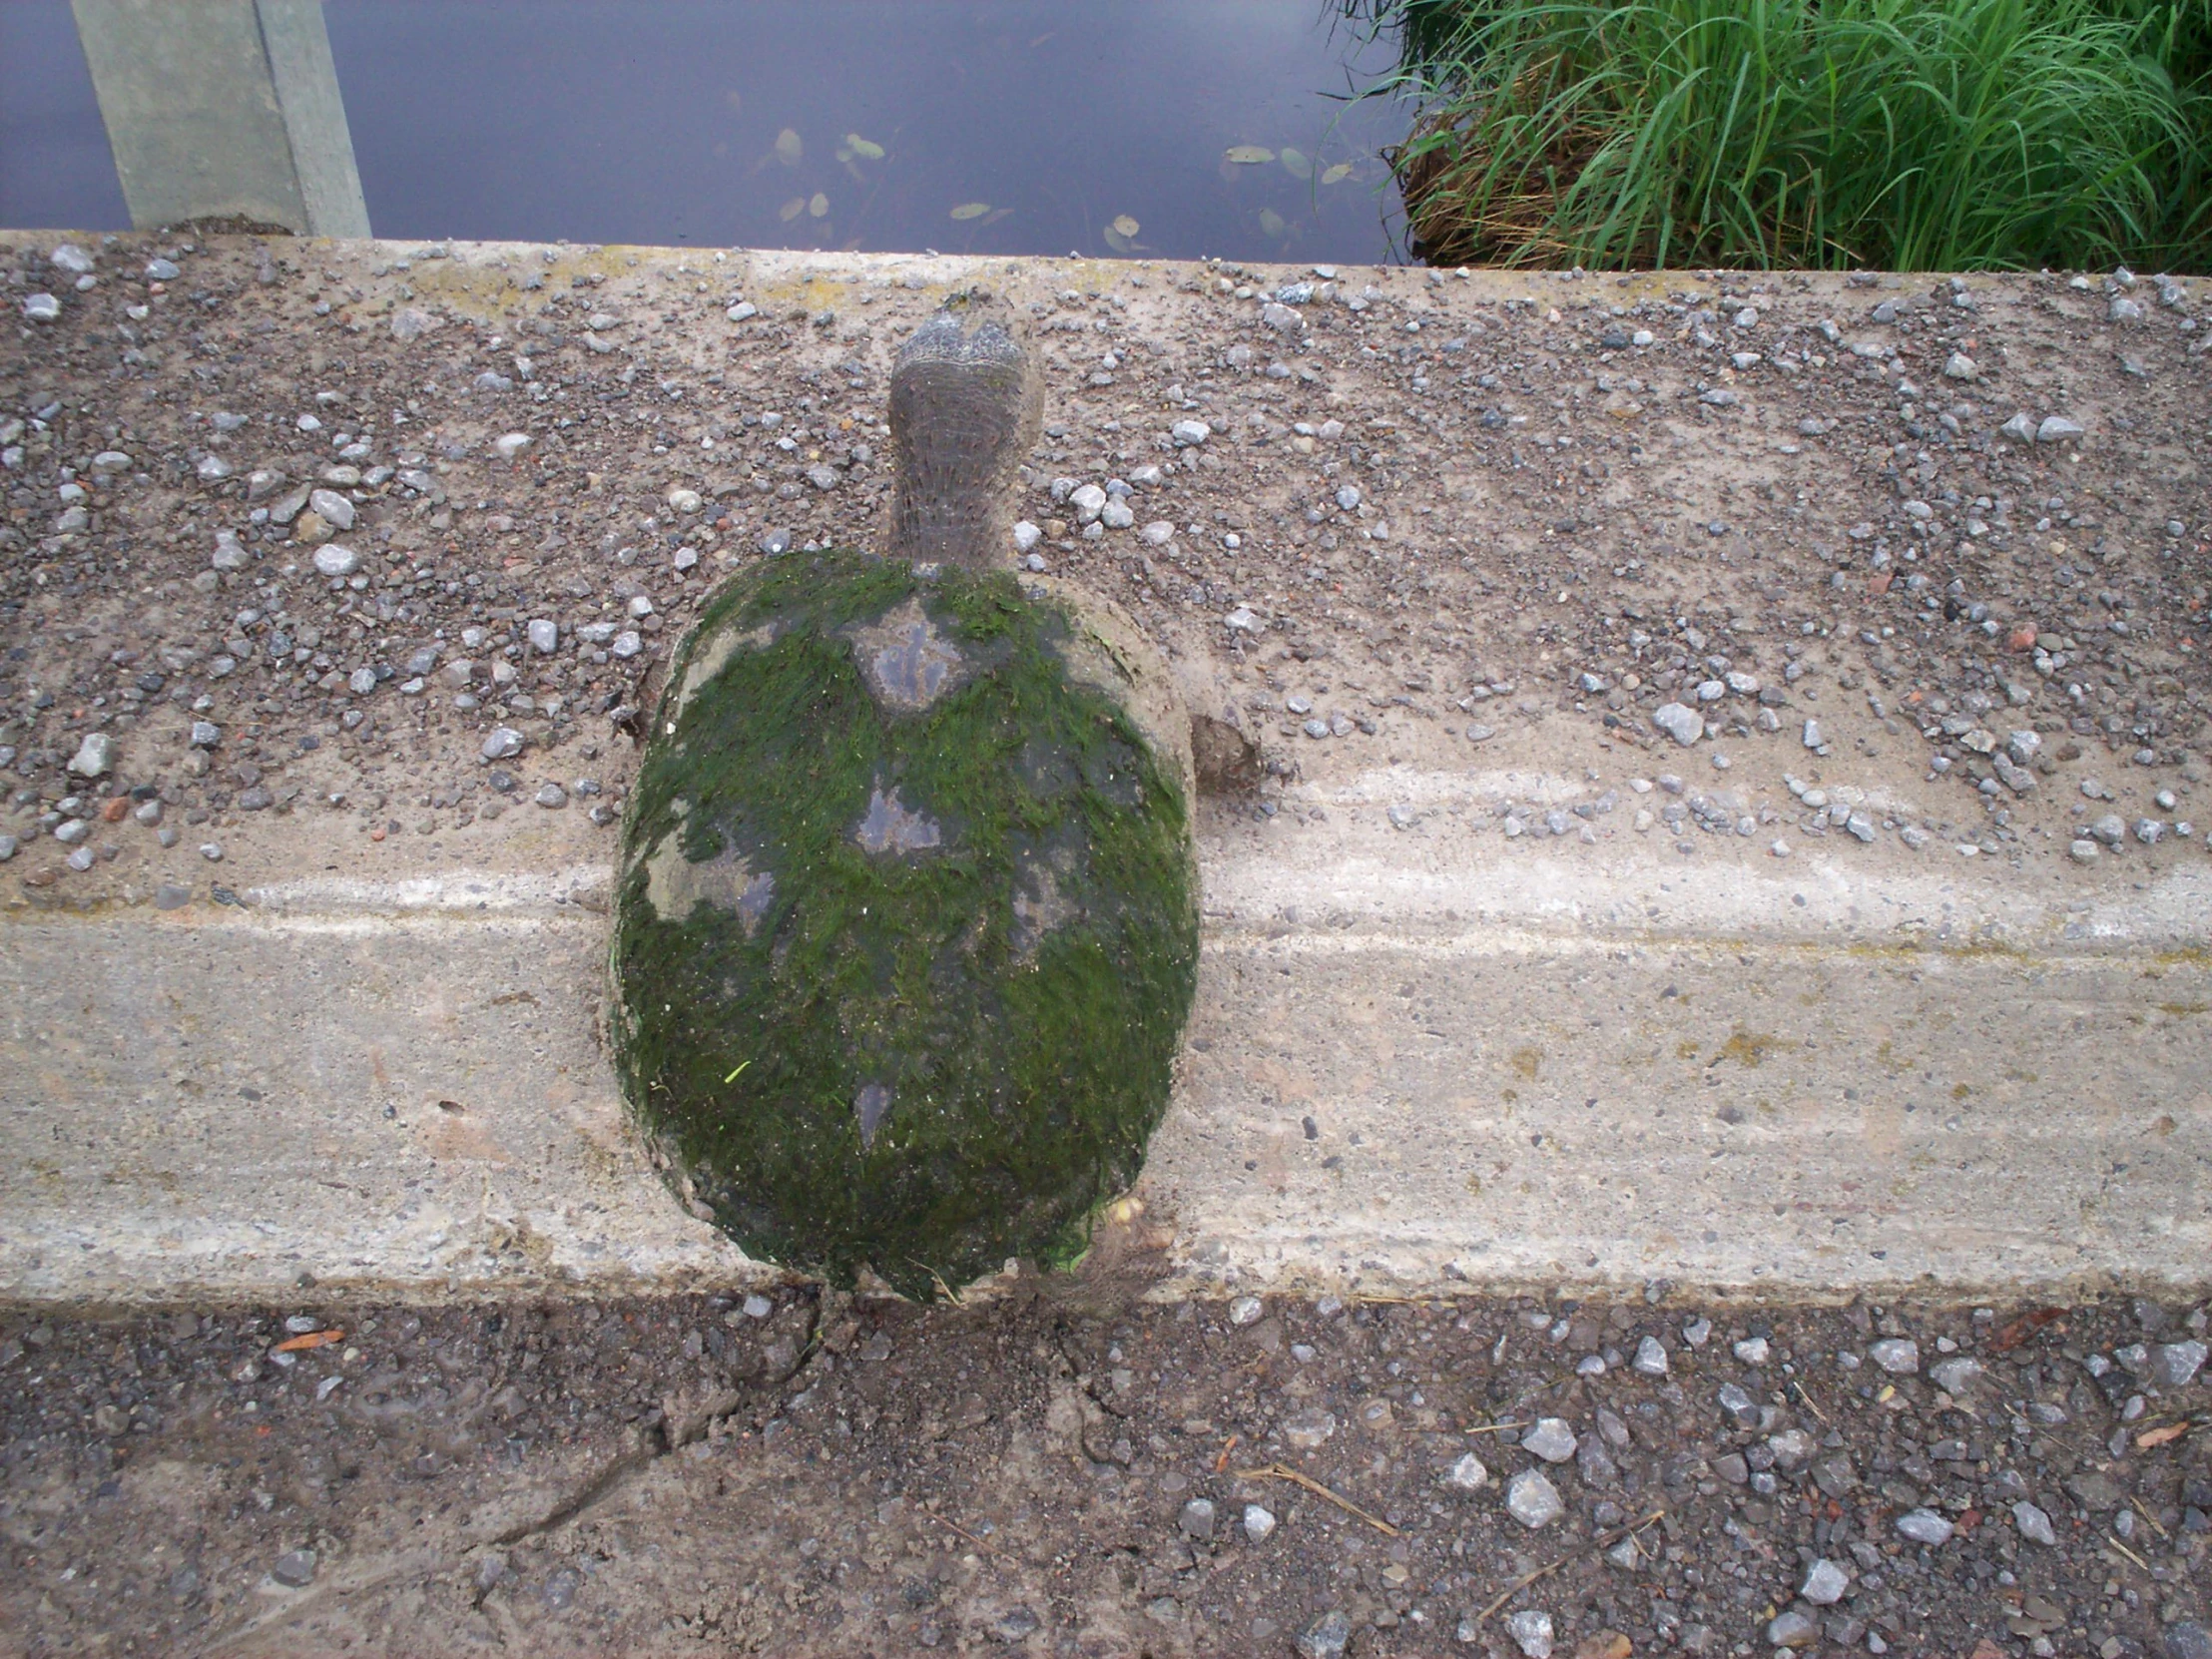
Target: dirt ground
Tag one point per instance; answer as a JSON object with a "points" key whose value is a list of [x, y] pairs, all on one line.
{"points": [[1075, 1473]]}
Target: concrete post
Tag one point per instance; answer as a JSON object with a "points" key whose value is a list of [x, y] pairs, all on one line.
{"points": [[225, 109]]}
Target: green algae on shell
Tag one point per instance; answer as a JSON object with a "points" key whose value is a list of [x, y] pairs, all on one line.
{"points": [[907, 925]]}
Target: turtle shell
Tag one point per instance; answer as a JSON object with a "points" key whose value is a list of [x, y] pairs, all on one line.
{"points": [[906, 927]]}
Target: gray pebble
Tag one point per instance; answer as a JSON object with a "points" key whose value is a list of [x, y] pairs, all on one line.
{"points": [[1553, 1439], [1197, 1520], [206, 733], [1327, 1636], [1188, 434], [1531, 1633], [1651, 1357], [1468, 1474], [503, 743], [41, 307], [552, 797], [332, 559], [1680, 721], [1259, 1522], [2035, 1525], [1741, 1408], [1925, 1527], [1898, 1356], [1532, 1500], [1752, 1350], [1825, 1583], [333, 508], [545, 636], [1955, 1375], [296, 1568], [1793, 1629], [2175, 1365], [95, 756]]}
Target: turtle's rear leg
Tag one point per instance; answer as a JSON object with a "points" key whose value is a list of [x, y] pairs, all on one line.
{"points": [[965, 407]]}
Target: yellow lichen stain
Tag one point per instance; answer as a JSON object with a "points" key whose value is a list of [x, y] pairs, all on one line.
{"points": [[1474, 1182], [2164, 1126], [1685, 1050], [2177, 1009], [1960, 1091], [1527, 1061], [1749, 1047]]}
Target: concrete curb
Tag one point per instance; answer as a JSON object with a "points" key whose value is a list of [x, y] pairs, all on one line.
{"points": [[1518, 1007], [1413, 1065]]}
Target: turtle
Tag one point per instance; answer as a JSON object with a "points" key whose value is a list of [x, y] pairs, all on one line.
{"points": [[905, 927]]}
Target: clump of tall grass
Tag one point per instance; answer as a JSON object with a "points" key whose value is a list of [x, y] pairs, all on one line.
{"points": [[1900, 134]]}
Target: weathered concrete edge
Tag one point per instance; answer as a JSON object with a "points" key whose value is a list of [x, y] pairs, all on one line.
{"points": [[1385, 913]]}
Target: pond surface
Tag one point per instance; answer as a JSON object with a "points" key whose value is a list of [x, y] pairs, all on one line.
{"points": [[1176, 128]]}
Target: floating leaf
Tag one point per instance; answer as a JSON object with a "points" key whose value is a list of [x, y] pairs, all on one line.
{"points": [[789, 149], [1294, 163], [1247, 155], [1338, 174], [1123, 224], [1271, 222], [818, 204], [971, 210], [862, 148], [792, 209], [2153, 1438], [998, 213], [1117, 242]]}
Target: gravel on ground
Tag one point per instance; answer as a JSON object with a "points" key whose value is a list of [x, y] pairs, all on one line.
{"points": [[392, 536], [1062, 1467]]}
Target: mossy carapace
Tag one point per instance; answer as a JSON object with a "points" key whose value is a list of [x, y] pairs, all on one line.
{"points": [[906, 927]]}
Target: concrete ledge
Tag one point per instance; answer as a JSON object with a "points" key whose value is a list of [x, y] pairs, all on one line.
{"points": [[1850, 1005], [1414, 1063]]}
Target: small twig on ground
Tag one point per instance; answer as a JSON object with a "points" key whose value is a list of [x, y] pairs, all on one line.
{"points": [[963, 1531], [1807, 1399], [2129, 1553], [2150, 1518], [1281, 1471], [1527, 1578], [1496, 1428]]}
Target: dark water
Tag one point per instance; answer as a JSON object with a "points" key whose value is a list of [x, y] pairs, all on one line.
{"points": [[990, 126]]}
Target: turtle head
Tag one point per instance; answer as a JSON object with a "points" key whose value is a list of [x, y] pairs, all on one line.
{"points": [[965, 408]]}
